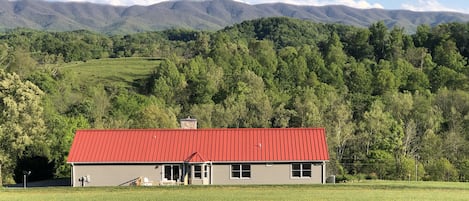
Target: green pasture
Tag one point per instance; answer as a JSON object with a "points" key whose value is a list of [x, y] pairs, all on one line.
{"points": [[369, 190], [115, 71]]}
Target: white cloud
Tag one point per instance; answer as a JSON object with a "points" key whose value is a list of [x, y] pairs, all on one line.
{"points": [[430, 5]]}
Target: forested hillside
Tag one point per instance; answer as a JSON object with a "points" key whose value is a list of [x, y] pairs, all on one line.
{"points": [[391, 103]]}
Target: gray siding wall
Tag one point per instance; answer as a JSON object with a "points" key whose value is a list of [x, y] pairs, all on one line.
{"points": [[265, 174], [115, 175]]}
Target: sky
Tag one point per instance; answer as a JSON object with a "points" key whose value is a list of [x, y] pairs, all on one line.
{"points": [[415, 5]]}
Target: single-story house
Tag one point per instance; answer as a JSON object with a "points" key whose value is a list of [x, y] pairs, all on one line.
{"points": [[198, 156]]}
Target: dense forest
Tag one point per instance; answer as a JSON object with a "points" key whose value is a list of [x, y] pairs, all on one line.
{"points": [[394, 105]]}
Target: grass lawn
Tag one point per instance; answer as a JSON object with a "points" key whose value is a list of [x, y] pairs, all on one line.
{"points": [[368, 190], [115, 71]]}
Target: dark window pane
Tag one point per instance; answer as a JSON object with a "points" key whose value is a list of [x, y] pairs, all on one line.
{"points": [[296, 173], [176, 172], [198, 171], [306, 166], [295, 166], [306, 173], [235, 167], [246, 167], [236, 171], [167, 172], [246, 174], [235, 174]]}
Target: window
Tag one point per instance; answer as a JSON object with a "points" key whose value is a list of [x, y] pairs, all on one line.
{"points": [[205, 171], [241, 171], [198, 171], [301, 170], [171, 172]]}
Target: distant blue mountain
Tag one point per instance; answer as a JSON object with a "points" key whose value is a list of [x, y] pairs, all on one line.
{"points": [[199, 15]]}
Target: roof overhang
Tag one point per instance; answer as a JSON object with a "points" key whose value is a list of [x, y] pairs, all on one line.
{"points": [[180, 162]]}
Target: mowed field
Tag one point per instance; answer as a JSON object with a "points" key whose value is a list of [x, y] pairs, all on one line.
{"points": [[368, 190], [112, 71]]}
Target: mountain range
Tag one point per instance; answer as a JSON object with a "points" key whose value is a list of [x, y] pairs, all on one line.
{"points": [[199, 15]]}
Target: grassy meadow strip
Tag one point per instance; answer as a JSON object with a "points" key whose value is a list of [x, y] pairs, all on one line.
{"points": [[376, 190], [113, 71]]}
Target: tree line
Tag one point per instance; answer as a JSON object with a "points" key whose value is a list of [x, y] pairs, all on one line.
{"points": [[395, 105]]}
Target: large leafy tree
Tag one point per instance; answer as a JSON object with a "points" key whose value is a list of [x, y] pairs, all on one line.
{"points": [[381, 137], [156, 115], [248, 105], [340, 128], [22, 129], [335, 59], [167, 82], [380, 40], [306, 110]]}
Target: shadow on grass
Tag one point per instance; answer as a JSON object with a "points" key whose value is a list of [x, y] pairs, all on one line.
{"points": [[43, 183]]}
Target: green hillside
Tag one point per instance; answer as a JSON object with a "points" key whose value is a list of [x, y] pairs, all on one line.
{"points": [[391, 102], [112, 71]]}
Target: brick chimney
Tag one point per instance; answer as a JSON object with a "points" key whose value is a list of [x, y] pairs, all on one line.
{"points": [[188, 123]]}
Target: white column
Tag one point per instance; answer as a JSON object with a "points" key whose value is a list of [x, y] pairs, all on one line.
{"points": [[73, 175], [211, 173]]}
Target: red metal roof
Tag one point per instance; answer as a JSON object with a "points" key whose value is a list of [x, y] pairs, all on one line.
{"points": [[199, 145]]}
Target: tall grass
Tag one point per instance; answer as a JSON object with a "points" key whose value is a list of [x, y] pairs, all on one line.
{"points": [[111, 72]]}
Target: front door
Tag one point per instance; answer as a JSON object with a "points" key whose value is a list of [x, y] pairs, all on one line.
{"points": [[201, 173], [205, 179]]}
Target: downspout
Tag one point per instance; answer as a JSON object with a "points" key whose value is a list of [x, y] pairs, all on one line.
{"points": [[72, 182], [211, 173], [323, 179]]}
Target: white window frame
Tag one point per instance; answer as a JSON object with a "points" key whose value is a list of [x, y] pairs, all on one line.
{"points": [[172, 172], [200, 171], [205, 171], [302, 171], [240, 171]]}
